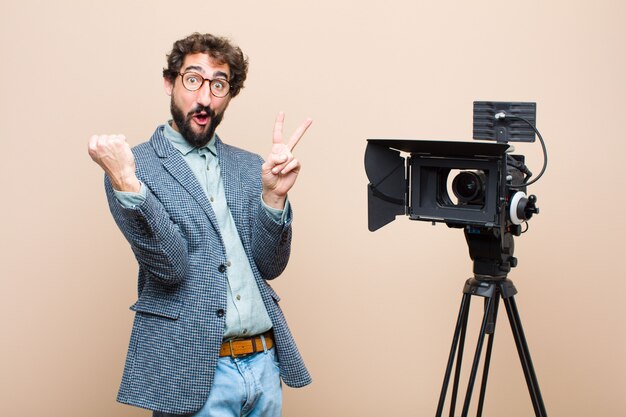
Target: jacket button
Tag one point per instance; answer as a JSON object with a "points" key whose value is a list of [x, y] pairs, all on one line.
{"points": [[222, 268], [220, 312]]}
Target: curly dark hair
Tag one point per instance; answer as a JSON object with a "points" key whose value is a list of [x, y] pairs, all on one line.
{"points": [[218, 48]]}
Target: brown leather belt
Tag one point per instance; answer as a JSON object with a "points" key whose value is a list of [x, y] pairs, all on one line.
{"points": [[242, 347]]}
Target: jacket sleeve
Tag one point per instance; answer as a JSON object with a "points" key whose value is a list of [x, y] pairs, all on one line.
{"points": [[271, 243], [155, 239]]}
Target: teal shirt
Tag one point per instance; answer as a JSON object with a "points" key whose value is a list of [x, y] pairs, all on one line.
{"points": [[245, 314]]}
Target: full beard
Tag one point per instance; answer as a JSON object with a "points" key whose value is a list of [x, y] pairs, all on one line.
{"points": [[195, 139]]}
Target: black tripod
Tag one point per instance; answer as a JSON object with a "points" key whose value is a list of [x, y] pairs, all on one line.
{"points": [[492, 288]]}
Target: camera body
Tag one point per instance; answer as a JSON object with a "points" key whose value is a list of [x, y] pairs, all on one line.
{"points": [[477, 186], [458, 183]]}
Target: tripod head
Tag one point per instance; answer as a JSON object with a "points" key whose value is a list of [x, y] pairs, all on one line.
{"points": [[491, 248]]}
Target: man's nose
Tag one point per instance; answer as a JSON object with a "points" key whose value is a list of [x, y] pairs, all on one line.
{"points": [[204, 95]]}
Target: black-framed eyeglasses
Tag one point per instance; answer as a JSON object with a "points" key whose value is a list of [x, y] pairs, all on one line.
{"points": [[193, 81]]}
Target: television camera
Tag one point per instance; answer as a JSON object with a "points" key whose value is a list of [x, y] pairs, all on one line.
{"points": [[479, 187]]}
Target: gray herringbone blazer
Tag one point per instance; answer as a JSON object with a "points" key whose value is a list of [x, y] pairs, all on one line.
{"points": [[180, 312]]}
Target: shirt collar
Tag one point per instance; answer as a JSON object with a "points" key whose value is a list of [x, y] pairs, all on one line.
{"points": [[179, 142]]}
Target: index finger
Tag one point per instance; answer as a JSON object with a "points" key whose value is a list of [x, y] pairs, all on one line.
{"points": [[297, 135]]}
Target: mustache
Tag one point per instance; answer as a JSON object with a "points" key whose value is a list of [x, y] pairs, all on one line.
{"points": [[202, 109]]}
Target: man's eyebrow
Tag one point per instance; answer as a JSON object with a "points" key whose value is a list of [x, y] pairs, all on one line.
{"points": [[220, 74], [201, 70], [194, 68]]}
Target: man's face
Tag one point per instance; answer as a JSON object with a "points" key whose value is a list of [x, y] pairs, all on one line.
{"points": [[197, 113]]}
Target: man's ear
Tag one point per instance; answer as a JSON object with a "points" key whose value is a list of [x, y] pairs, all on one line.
{"points": [[168, 85]]}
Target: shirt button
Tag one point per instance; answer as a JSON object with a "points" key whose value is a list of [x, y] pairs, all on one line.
{"points": [[238, 297], [222, 268], [212, 199], [245, 331], [220, 312]]}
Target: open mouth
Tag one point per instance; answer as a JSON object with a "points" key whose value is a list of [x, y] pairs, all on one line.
{"points": [[201, 118]]}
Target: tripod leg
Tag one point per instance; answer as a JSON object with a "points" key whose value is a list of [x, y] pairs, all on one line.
{"points": [[459, 360], [491, 331], [479, 347], [459, 330], [524, 354]]}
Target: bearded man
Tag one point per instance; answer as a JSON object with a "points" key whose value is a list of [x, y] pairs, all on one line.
{"points": [[209, 225]]}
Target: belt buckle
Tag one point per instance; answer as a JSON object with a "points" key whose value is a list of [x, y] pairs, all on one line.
{"points": [[232, 351]]}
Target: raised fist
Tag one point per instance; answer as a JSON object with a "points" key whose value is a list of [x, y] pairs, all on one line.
{"points": [[113, 154]]}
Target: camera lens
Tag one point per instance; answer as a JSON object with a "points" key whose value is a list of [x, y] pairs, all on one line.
{"points": [[469, 186]]}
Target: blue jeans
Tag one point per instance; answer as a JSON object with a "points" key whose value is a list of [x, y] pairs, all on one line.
{"points": [[243, 387]]}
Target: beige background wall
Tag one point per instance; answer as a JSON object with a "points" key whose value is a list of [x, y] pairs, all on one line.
{"points": [[373, 312]]}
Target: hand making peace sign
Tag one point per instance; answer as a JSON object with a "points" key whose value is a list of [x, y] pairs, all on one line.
{"points": [[281, 168]]}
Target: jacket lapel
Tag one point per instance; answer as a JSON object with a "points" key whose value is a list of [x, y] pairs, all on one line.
{"points": [[232, 182], [175, 164]]}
